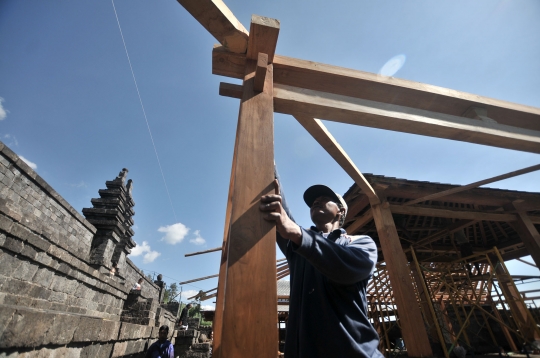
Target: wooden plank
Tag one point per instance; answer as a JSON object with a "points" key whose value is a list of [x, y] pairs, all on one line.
{"points": [[225, 63], [204, 252], [230, 90], [410, 317], [260, 72], [370, 86], [360, 222], [527, 232], [263, 36], [198, 279], [251, 289], [456, 214], [217, 19], [317, 129], [317, 104], [474, 185]]}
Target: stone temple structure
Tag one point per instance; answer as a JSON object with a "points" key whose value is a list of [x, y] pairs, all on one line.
{"points": [[65, 278]]}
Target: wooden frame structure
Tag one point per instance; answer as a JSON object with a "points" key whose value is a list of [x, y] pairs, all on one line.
{"points": [[308, 90]]}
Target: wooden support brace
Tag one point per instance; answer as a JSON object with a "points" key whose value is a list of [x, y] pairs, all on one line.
{"points": [[414, 334], [230, 90], [260, 72], [217, 19], [473, 185]]}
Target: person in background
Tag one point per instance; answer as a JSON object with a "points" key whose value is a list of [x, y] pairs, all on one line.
{"points": [[184, 316], [162, 348], [137, 285]]}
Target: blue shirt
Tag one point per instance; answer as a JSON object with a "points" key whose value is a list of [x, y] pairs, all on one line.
{"points": [[328, 313], [160, 350]]}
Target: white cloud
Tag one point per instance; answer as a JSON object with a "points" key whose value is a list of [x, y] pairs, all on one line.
{"points": [[174, 233], [144, 248], [3, 112], [30, 164], [207, 308], [198, 240], [150, 256]]}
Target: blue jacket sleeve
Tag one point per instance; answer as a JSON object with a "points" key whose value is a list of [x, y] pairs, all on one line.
{"points": [[343, 264]]}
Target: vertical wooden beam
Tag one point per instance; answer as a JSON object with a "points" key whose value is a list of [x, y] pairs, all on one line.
{"points": [[260, 72], [250, 314], [412, 327], [263, 36]]}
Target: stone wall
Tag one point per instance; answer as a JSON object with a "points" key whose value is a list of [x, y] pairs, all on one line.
{"points": [[52, 298]]}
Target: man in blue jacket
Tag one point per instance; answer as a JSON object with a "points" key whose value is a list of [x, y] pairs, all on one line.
{"points": [[162, 348], [329, 273]]}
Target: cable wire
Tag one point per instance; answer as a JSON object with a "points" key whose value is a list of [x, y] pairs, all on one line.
{"points": [[144, 112]]}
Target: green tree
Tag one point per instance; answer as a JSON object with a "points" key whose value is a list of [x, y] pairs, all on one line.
{"points": [[170, 294]]}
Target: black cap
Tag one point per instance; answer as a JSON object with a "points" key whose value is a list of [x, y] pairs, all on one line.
{"points": [[314, 191]]}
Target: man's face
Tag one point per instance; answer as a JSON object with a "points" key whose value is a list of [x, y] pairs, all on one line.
{"points": [[323, 210], [162, 335]]}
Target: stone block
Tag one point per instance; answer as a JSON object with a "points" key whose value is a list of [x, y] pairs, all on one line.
{"points": [[12, 244], [105, 350], [88, 330], [130, 331], [5, 223], [43, 277], [16, 287], [6, 314], [29, 252], [26, 271], [90, 351], [8, 264], [27, 328], [109, 331], [119, 349], [62, 330]]}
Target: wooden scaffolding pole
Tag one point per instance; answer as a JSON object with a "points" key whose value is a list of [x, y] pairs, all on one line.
{"points": [[248, 286]]}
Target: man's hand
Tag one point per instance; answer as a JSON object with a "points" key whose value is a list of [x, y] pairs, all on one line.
{"points": [[271, 205]]}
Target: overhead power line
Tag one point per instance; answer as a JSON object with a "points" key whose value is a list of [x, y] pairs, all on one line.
{"points": [[144, 112]]}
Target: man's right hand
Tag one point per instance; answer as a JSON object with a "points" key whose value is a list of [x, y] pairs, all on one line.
{"points": [[271, 205]]}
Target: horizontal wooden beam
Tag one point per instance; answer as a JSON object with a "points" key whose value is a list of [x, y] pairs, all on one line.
{"points": [[317, 104], [230, 90], [217, 19], [473, 185], [370, 86], [198, 279], [456, 214], [314, 104]]}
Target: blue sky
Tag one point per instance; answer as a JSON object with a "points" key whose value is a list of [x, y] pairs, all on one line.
{"points": [[70, 105]]}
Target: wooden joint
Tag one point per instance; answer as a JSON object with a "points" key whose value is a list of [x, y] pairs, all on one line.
{"points": [[260, 72], [230, 90]]}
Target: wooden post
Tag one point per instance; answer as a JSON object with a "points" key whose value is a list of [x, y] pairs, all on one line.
{"points": [[527, 231], [412, 327], [248, 285]]}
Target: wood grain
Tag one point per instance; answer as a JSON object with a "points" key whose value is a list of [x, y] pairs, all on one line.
{"points": [[339, 108], [260, 72], [217, 19], [251, 290], [263, 37], [410, 317], [353, 83]]}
